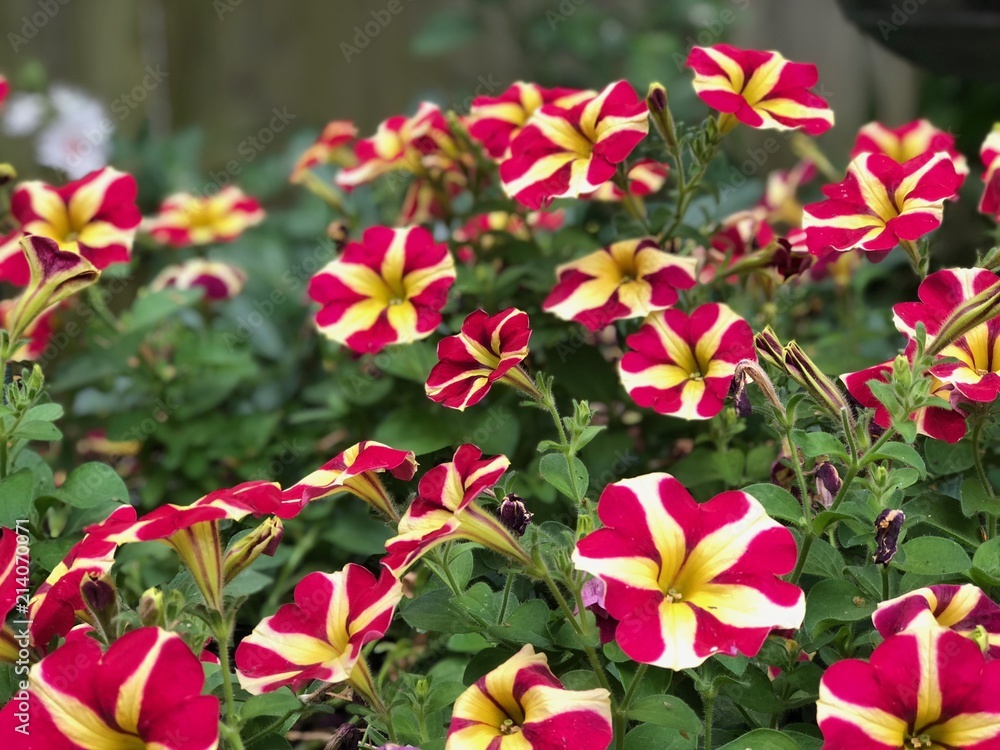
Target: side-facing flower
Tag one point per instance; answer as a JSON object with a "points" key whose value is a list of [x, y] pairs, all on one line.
{"points": [[219, 280], [989, 152], [445, 509], [488, 350], [327, 146], [13, 264], [36, 336], [881, 204], [95, 216], [627, 279], [145, 692], [689, 580], [55, 274], [321, 635], [355, 471], [760, 89], [908, 142], [780, 201], [387, 289], [189, 219], [496, 121], [565, 152], [926, 688], [647, 176], [965, 609], [522, 705], [684, 365], [193, 530]]}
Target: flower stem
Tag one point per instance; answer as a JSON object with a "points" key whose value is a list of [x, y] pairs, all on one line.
{"points": [[223, 631], [709, 699], [983, 478]]}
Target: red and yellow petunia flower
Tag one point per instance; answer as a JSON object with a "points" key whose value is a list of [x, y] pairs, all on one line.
{"points": [[926, 688], [330, 144], [13, 264], [355, 471], [186, 219], [780, 202], [445, 509], [321, 635], [219, 280], [881, 204], [488, 350], [646, 177], [145, 692], [400, 143], [760, 89], [95, 216], [965, 609], [37, 335], [482, 231], [521, 705], [976, 373], [9, 646], [989, 204], [565, 152], [193, 530], [684, 365], [688, 580], [628, 279], [496, 121], [387, 289], [908, 142]]}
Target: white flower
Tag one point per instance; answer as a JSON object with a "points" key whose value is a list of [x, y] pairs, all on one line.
{"points": [[23, 114], [78, 139]]}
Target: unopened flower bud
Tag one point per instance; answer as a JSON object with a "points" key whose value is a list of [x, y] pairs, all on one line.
{"points": [[971, 313], [423, 688], [515, 515], [7, 173], [151, 609], [263, 540], [805, 372], [659, 112], [887, 527], [769, 348], [339, 233], [828, 483], [98, 592], [656, 99]]}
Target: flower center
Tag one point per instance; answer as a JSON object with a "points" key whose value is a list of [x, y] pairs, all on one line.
{"points": [[921, 742], [673, 595], [509, 727]]}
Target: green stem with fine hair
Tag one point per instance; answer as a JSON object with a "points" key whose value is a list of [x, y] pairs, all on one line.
{"points": [[984, 480]]}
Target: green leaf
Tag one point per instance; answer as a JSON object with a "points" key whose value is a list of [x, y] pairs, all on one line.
{"points": [[42, 413], [815, 444], [777, 501], [652, 737], [975, 498], [17, 492], [555, 470], [93, 484], [278, 703], [730, 464], [762, 739], [527, 624], [987, 560], [410, 362], [943, 458], [414, 430], [665, 711], [434, 611], [902, 453], [153, 307], [38, 431], [930, 555], [830, 602], [944, 513]]}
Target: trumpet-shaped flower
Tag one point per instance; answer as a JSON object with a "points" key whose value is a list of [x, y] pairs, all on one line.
{"points": [[445, 509], [95, 216], [760, 89], [521, 705], [628, 279], [186, 219], [321, 635], [689, 580], [36, 336], [684, 365], [13, 264], [965, 609], [565, 152], [330, 144], [193, 530], [976, 373], [219, 280], [780, 202], [387, 289], [881, 203], [928, 687], [488, 350], [355, 471], [908, 142], [400, 143], [989, 204], [145, 692], [646, 177]]}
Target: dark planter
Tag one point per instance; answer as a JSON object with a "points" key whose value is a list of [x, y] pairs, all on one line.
{"points": [[959, 37]]}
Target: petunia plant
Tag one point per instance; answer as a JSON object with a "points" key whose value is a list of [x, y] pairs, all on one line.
{"points": [[510, 428]]}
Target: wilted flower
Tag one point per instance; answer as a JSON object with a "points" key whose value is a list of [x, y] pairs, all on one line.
{"points": [[387, 289], [445, 509], [189, 219], [888, 524], [689, 580], [489, 349], [926, 688], [881, 204], [330, 144], [828, 483], [514, 514], [95, 217], [137, 695], [565, 152], [760, 89], [592, 596], [219, 280], [522, 705], [263, 540], [321, 635], [683, 365], [355, 471], [627, 279]]}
